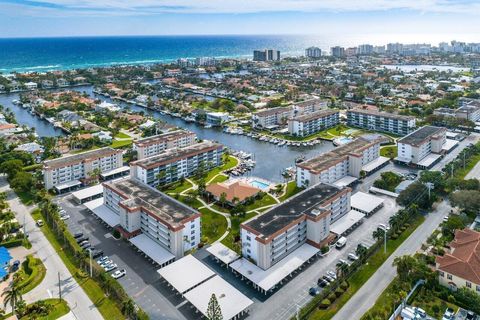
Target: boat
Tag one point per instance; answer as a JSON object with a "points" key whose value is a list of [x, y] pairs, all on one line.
{"points": [[16, 102], [207, 126]]}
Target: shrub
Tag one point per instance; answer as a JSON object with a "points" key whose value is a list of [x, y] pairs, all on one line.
{"points": [[332, 296], [344, 285], [325, 303], [324, 249], [436, 308], [339, 292], [116, 234]]}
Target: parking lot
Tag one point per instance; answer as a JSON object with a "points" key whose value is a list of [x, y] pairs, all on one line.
{"points": [[145, 286]]}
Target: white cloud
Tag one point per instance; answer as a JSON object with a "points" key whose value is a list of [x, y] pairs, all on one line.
{"points": [[140, 7]]}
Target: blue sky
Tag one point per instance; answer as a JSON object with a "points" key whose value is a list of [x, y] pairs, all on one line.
{"points": [[404, 20]]}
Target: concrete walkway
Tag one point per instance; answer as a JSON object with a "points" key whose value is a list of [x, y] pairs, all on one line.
{"points": [[80, 304]]}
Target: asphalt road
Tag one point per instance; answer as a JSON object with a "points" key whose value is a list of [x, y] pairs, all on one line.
{"points": [[80, 304], [365, 298]]}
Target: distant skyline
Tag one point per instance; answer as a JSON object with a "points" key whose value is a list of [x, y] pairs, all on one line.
{"points": [[381, 20]]}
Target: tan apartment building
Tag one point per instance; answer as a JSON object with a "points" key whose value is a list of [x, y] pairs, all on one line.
{"points": [[310, 123], [154, 145]]}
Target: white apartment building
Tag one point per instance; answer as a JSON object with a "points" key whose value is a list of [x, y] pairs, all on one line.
{"points": [[271, 118], [304, 218], [423, 147], [313, 52], [143, 209], [154, 145], [345, 163], [175, 163], [71, 171], [381, 121], [469, 109], [310, 123]]}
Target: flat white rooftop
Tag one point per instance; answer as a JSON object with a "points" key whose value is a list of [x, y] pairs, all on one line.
{"points": [[429, 160], [449, 144], [232, 302], [88, 192], [223, 253], [115, 171], [365, 202], [68, 184], [103, 212], [346, 222], [345, 181], [152, 249], [186, 273], [268, 279], [372, 165]]}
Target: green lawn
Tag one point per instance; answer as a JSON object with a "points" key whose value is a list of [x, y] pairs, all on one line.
{"points": [[177, 187], [262, 202], [213, 225], [219, 178], [292, 190], [105, 305], [461, 173], [389, 151], [228, 163], [121, 143], [365, 272], [122, 135], [190, 201], [32, 273], [59, 309], [229, 241], [26, 197]]}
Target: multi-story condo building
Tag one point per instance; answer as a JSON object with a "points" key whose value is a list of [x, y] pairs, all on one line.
{"points": [[381, 121], [338, 52], [304, 218], [143, 209], [469, 109], [308, 106], [347, 160], [365, 49], [173, 164], [73, 170], [417, 147], [266, 55], [313, 52], [313, 122], [271, 118], [154, 145]]}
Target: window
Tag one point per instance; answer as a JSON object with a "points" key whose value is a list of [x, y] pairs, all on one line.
{"points": [[442, 274], [248, 238], [192, 226], [192, 238], [469, 284], [193, 232], [449, 276]]}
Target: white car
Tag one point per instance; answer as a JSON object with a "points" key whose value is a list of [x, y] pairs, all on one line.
{"points": [[102, 259], [119, 273], [352, 256], [383, 227], [65, 217], [110, 267], [106, 263], [332, 274]]}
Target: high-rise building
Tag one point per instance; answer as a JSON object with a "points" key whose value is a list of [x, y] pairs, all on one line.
{"points": [[394, 47], [266, 55], [365, 49], [338, 52], [313, 52]]}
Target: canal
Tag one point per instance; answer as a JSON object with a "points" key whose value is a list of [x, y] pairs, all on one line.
{"points": [[270, 159]]}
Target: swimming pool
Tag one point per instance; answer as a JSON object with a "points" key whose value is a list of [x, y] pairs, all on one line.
{"points": [[259, 184]]}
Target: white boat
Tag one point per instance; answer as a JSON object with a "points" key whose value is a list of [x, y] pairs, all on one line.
{"points": [[208, 126]]}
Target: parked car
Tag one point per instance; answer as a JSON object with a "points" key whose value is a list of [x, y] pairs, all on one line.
{"points": [[85, 245], [65, 217], [313, 291], [449, 314], [383, 227], [97, 253], [105, 263], [81, 239], [341, 242], [420, 312], [322, 283], [352, 256], [119, 273], [328, 278], [15, 265], [78, 235], [110, 267], [102, 259], [39, 223], [332, 274], [445, 219]]}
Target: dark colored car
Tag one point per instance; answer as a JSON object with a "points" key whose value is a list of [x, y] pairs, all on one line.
{"points": [[322, 282], [97, 253], [78, 235], [313, 291], [81, 239], [15, 265]]}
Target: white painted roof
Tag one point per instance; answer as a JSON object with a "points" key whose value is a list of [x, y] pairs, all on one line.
{"points": [[365, 202], [152, 249], [346, 222], [186, 273], [103, 212], [88, 192], [372, 165], [223, 253], [231, 301]]}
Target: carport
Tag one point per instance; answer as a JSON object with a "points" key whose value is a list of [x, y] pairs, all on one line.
{"points": [[186, 273], [347, 222], [68, 186], [115, 173], [366, 203], [222, 253], [98, 208], [152, 249], [233, 303], [88, 194]]}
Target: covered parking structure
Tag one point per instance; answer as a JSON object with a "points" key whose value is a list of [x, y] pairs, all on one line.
{"points": [[233, 304], [115, 173], [88, 194], [186, 273], [347, 223], [375, 165], [366, 203], [222, 253], [266, 280], [152, 249], [98, 208], [68, 186]]}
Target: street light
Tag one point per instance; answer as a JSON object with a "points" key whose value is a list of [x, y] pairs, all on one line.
{"points": [[91, 270]]}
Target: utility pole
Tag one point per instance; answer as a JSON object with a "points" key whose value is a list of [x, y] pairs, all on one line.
{"points": [[385, 241], [59, 287], [91, 270]]}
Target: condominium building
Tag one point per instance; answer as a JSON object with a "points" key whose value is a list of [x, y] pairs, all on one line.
{"points": [[154, 145], [422, 147], [338, 52], [266, 55], [71, 171], [381, 121], [469, 109], [342, 165], [174, 164], [304, 218], [308, 106], [313, 122], [143, 209], [313, 52], [271, 118]]}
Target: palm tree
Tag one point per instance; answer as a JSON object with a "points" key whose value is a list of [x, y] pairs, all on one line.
{"points": [[378, 234], [394, 222], [342, 269], [361, 251], [128, 309], [404, 266], [223, 199], [12, 295]]}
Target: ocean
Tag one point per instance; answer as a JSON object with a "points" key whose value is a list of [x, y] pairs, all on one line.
{"points": [[43, 54]]}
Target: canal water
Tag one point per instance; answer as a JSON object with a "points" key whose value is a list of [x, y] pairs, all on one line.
{"points": [[270, 159]]}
